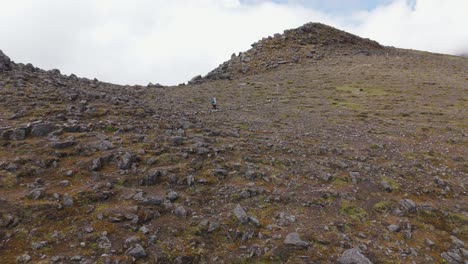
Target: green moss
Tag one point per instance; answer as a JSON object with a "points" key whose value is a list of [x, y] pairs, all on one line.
{"points": [[353, 211], [110, 128], [383, 207]]}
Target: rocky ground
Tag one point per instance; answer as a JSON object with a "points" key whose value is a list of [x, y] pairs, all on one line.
{"points": [[352, 157]]}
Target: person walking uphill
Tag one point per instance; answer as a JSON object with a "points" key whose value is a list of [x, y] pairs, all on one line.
{"points": [[214, 103]]}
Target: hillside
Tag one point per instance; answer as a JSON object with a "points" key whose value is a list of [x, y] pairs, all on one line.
{"points": [[355, 155]]}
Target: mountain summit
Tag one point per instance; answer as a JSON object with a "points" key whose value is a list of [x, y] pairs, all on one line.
{"points": [[304, 45], [325, 148]]}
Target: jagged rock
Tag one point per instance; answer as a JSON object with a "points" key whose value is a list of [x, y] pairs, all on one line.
{"points": [[63, 144], [96, 164], [5, 62], [36, 194], [213, 226], [195, 80], [67, 200], [25, 258], [408, 205], [137, 251], [152, 201], [18, 134], [254, 221], [353, 256], [39, 245], [457, 242], [126, 160], [295, 240], [240, 214], [42, 129], [386, 186], [152, 178], [452, 257], [104, 243], [180, 211], [172, 196], [190, 180], [394, 228]]}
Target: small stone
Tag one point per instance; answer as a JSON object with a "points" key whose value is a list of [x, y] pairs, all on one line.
{"points": [[151, 179], [25, 258], [295, 240], [144, 230], [63, 144], [125, 162], [96, 164], [254, 221], [67, 200], [39, 245], [386, 186], [457, 242], [42, 129], [353, 256], [408, 205], [172, 195], [137, 251], [36, 194], [394, 228], [240, 214], [429, 242], [180, 212], [213, 226], [190, 180]]}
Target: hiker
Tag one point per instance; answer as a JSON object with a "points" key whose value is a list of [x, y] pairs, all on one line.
{"points": [[213, 103]]}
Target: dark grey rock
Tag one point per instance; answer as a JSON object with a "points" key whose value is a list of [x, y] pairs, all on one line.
{"points": [[137, 251], [42, 129], [96, 164], [36, 194], [177, 141], [152, 201], [152, 178], [394, 228], [62, 144], [353, 256], [190, 180], [39, 245], [386, 186], [452, 257], [180, 211], [457, 242], [25, 258], [5, 62], [213, 226], [172, 195], [126, 160], [67, 200], [408, 205], [18, 134], [254, 221], [240, 214], [295, 240]]}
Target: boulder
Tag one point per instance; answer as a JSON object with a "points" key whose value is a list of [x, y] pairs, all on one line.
{"points": [[295, 240], [353, 256], [240, 214], [137, 251], [42, 129], [5, 62]]}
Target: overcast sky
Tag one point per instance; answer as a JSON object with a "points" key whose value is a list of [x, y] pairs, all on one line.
{"points": [[170, 41]]}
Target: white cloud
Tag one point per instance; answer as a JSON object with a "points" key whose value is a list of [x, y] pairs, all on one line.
{"points": [[139, 41]]}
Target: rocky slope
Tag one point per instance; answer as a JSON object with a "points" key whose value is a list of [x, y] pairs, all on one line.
{"points": [[359, 157], [304, 45]]}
